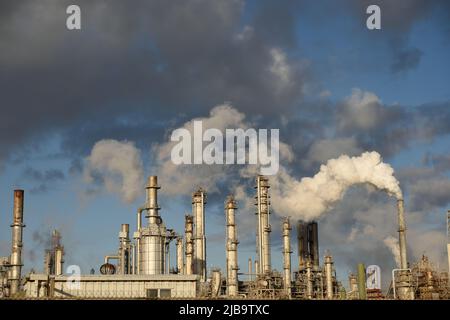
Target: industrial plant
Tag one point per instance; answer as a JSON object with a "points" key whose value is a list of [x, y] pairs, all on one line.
{"points": [[143, 269]]}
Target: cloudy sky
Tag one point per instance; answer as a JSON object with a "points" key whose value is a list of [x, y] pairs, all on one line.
{"points": [[135, 72]]}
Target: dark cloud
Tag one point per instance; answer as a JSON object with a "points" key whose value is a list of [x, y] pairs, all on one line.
{"points": [[150, 59], [406, 59], [42, 180]]}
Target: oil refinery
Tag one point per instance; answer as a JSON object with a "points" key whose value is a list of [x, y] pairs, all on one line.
{"points": [[142, 267]]}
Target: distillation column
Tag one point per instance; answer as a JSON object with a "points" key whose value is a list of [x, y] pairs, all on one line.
{"points": [[302, 244], [231, 248], [263, 225], [198, 210], [287, 256], [152, 238], [189, 228], [16, 250], [180, 262], [314, 244], [124, 249], [329, 276]]}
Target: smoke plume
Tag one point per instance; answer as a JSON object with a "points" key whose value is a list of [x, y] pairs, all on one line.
{"points": [[392, 244], [309, 198], [117, 166]]}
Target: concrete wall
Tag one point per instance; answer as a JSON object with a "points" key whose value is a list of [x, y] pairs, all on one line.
{"points": [[113, 286]]}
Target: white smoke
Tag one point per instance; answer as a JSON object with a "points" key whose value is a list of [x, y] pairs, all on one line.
{"points": [[309, 198], [118, 167], [392, 244]]}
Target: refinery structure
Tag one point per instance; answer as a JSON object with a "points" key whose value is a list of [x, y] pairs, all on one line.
{"points": [[142, 267]]}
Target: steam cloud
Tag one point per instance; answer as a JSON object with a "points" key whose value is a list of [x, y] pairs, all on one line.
{"points": [[309, 198], [117, 165], [392, 244]]}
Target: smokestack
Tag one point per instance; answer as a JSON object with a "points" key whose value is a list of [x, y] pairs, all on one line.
{"points": [[328, 276], [287, 256], [448, 239], [302, 244], [16, 250], [231, 248], [124, 249], [362, 281], [180, 264], [48, 263], [189, 221], [263, 224], [153, 237], [402, 234], [314, 244], [198, 210]]}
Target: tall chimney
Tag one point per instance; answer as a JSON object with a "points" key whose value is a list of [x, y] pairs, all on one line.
{"points": [[329, 276], [189, 221], [180, 262], [58, 252], [198, 210], [302, 244], [287, 256], [314, 244], [402, 234], [16, 250], [231, 248], [448, 239], [263, 224]]}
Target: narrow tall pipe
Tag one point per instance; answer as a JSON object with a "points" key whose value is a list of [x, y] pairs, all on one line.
{"points": [[250, 271], [287, 256], [198, 211], [124, 249], [231, 247], [402, 234], [329, 276], [180, 262], [302, 244], [264, 229], [17, 226], [448, 239], [309, 280], [189, 220]]}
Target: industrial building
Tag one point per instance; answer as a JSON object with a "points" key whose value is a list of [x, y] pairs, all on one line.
{"points": [[142, 267]]}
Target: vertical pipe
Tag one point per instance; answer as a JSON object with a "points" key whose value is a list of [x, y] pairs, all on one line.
{"points": [[309, 280], [256, 267], [287, 256], [48, 263], [362, 281], [180, 262], [448, 240], [402, 234], [231, 247], [264, 228], [329, 276], [250, 271], [59, 260], [124, 250], [198, 210], [189, 245], [16, 250]]}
